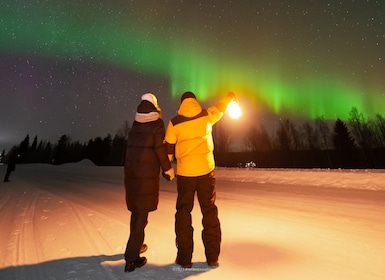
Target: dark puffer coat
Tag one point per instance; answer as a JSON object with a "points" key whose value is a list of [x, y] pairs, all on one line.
{"points": [[146, 154]]}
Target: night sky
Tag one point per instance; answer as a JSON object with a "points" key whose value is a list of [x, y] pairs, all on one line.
{"points": [[80, 67]]}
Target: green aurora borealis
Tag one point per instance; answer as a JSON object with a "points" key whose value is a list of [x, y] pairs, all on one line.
{"points": [[291, 79]]}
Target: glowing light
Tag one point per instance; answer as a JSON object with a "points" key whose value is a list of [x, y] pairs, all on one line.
{"points": [[234, 110]]}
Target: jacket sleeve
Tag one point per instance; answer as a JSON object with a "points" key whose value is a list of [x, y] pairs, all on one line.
{"points": [[225, 101], [170, 140], [160, 147], [216, 112], [170, 134]]}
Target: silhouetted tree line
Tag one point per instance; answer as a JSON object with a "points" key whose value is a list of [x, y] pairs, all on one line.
{"points": [[359, 143], [102, 151]]}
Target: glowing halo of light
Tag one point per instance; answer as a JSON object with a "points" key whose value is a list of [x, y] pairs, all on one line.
{"points": [[234, 110]]}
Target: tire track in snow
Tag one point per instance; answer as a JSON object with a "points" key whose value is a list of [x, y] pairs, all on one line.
{"points": [[25, 238], [91, 237], [5, 195], [33, 235], [89, 228]]}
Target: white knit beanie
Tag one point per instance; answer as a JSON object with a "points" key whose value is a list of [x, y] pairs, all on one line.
{"points": [[151, 98]]}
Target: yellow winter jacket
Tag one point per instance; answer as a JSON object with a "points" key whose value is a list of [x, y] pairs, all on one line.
{"points": [[190, 138]]}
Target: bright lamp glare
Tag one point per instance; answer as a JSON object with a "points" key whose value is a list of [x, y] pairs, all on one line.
{"points": [[234, 110]]}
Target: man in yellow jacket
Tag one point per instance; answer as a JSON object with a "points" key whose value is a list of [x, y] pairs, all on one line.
{"points": [[189, 139]]}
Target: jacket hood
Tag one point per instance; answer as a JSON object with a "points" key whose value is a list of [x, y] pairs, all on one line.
{"points": [[146, 106], [189, 107]]}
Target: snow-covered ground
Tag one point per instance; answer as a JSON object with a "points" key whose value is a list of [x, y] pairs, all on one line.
{"points": [[71, 222]]}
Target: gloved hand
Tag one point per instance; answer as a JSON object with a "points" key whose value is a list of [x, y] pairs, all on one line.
{"points": [[232, 96], [225, 101], [169, 175]]}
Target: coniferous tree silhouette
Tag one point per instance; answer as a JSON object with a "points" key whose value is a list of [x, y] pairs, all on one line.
{"points": [[23, 147], [344, 144], [258, 139], [34, 144], [60, 150], [118, 147], [221, 137]]}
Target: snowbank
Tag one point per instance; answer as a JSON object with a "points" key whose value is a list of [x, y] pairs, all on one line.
{"points": [[330, 178]]}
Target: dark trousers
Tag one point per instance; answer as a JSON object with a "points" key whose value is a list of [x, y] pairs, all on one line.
{"points": [[135, 241], [9, 171], [6, 178], [204, 186]]}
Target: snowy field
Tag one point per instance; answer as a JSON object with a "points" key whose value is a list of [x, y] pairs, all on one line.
{"points": [[71, 222]]}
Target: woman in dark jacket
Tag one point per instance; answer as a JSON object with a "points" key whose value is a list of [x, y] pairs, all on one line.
{"points": [[146, 153]]}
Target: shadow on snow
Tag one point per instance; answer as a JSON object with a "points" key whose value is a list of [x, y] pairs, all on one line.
{"points": [[100, 267]]}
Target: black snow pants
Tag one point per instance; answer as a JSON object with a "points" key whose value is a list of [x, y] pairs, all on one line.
{"points": [[135, 241], [204, 186]]}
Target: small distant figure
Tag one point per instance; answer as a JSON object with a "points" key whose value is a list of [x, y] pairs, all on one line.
{"points": [[250, 164], [12, 158]]}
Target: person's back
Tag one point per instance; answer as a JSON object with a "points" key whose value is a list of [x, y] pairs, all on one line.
{"points": [[189, 138], [145, 155], [191, 131]]}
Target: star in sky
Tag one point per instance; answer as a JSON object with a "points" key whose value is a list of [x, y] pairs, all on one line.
{"points": [[79, 68]]}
